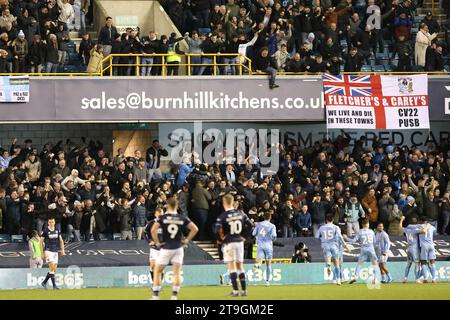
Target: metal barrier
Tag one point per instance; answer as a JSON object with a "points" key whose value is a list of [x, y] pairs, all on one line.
{"points": [[243, 63], [243, 66]]}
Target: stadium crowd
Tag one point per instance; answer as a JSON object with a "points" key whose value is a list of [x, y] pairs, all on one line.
{"points": [[289, 36], [34, 34], [90, 192]]}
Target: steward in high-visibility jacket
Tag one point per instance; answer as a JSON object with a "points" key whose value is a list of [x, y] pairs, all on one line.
{"points": [[174, 54]]}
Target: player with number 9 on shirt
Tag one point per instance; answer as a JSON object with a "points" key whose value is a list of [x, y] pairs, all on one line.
{"points": [[172, 251], [234, 223]]}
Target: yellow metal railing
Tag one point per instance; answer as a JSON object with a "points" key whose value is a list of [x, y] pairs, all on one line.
{"points": [[243, 63]]}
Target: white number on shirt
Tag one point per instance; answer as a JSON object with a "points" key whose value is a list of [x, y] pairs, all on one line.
{"points": [[173, 230], [366, 240], [235, 227], [262, 232]]}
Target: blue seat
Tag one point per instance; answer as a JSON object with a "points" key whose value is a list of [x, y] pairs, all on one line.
{"points": [[366, 68], [204, 30], [117, 236], [378, 68], [5, 238], [17, 238]]}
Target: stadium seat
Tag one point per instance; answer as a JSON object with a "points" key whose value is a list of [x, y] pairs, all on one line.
{"points": [[366, 68], [17, 238], [390, 68], [5, 238], [378, 68], [117, 236], [204, 30], [105, 236]]}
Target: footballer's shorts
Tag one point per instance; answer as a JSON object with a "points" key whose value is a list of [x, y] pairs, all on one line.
{"points": [[427, 253], [154, 254], [367, 256], [52, 257], [381, 258], [173, 256], [264, 252], [413, 254], [331, 251], [233, 252]]}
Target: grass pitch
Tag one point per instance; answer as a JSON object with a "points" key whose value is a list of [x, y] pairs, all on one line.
{"points": [[358, 291]]}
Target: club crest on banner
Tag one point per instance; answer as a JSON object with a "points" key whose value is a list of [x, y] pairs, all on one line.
{"points": [[405, 85]]}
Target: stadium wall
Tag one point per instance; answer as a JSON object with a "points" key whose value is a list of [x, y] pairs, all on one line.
{"points": [[175, 99], [75, 277]]}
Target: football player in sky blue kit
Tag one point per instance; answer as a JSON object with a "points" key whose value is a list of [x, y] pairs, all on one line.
{"points": [[413, 252], [265, 233], [366, 238], [341, 263], [330, 237], [427, 251], [382, 246]]}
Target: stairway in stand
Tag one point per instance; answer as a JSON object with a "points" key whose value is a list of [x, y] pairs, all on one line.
{"points": [[209, 247]]}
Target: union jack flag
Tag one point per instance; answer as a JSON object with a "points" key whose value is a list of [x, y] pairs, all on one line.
{"points": [[348, 85]]}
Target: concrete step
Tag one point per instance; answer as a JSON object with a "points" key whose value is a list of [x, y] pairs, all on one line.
{"points": [[208, 247]]}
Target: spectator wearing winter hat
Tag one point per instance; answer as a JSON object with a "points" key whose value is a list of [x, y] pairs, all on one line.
{"points": [[20, 51]]}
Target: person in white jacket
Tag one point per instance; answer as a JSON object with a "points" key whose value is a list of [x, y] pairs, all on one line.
{"points": [[73, 177], [67, 13], [423, 41]]}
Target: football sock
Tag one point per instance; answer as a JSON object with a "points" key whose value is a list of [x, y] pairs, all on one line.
{"points": [[242, 281], [175, 290], [417, 271], [46, 278], [433, 271], [234, 283], [425, 272], [156, 290], [357, 270], [408, 267], [52, 278], [268, 272], [337, 273]]}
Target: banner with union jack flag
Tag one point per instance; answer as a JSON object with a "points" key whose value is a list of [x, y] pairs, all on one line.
{"points": [[376, 101]]}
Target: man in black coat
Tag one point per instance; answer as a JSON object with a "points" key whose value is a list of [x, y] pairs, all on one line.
{"points": [[264, 63], [432, 24], [106, 36], [153, 158], [352, 61], [404, 51], [430, 57]]}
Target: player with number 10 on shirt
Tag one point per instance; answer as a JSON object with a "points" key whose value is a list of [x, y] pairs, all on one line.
{"points": [[172, 251], [234, 224]]}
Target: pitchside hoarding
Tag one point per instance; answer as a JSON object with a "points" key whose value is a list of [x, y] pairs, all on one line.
{"points": [[221, 99], [75, 277]]}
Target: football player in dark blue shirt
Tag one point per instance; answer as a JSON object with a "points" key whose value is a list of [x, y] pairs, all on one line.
{"points": [[52, 241], [234, 224], [154, 250], [172, 251]]}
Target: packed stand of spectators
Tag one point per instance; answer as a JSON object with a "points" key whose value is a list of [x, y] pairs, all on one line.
{"points": [[91, 193], [34, 34], [310, 35]]}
